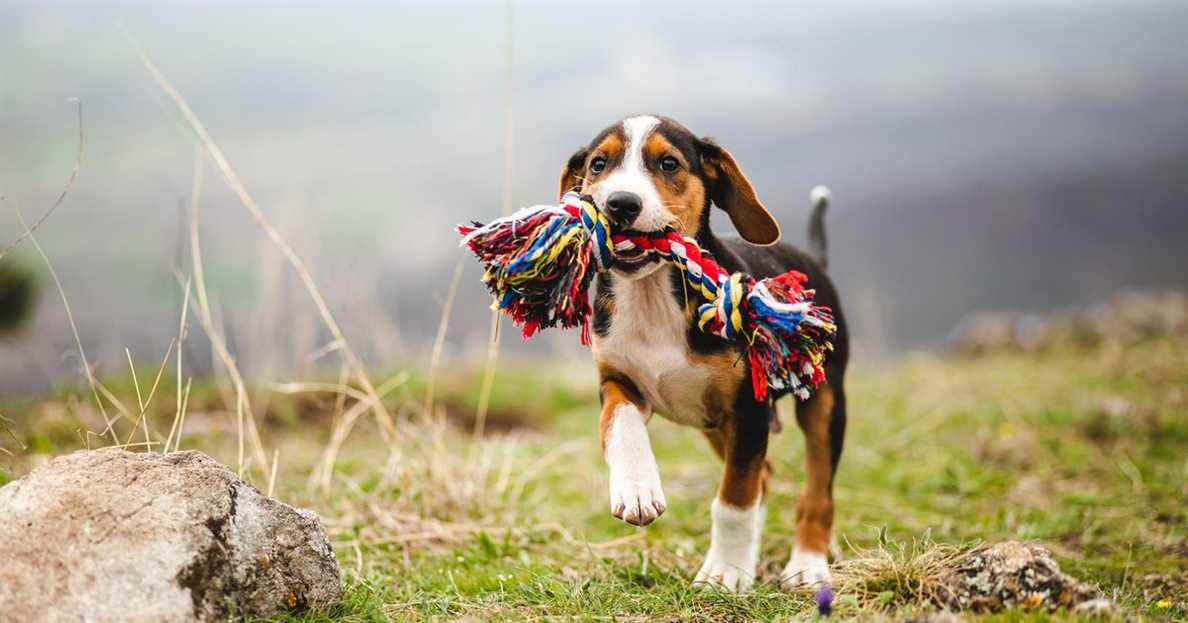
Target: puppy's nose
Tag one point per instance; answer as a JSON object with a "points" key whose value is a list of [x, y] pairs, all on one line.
{"points": [[623, 207]]}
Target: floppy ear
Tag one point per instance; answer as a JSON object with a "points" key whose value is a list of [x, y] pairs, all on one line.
{"points": [[571, 171], [732, 191]]}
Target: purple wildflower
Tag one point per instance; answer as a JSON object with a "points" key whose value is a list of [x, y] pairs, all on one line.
{"points": [[825, 600]]}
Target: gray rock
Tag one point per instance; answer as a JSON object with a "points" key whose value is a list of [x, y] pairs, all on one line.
{"points": [[1013, 575], [109, 535]]}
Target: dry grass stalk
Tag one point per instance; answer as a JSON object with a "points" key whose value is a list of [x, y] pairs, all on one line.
{"points": [[139, 398], [136, 383], [143, 403], [320, 475], [433, 498], [181, 338], [383, 418], [4, 422], [340, 400], [243, 409], [330, 347], [115, 401], [490, 364], [341, 389], [897, 574], [509, 117], [180, 418], [443, 325], [28, 233], [147, 445], [82, 354], [323, 473], [218, 369]]}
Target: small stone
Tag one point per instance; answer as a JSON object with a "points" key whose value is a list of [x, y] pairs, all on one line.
{"points": [[1005, 575]]}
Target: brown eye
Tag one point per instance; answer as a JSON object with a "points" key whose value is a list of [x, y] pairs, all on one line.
{"points": [[668, 164], [597, 164]]}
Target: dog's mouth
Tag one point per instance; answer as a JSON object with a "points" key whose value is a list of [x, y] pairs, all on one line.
{"points": [[630, 257]]}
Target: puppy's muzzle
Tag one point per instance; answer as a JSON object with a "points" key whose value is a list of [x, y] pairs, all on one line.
{"points": [[622, 207]]}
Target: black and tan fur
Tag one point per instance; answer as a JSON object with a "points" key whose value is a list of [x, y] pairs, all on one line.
{"points": [[719, 400]]}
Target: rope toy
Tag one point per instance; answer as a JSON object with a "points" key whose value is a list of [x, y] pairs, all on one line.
{"points": [[540, 261]]}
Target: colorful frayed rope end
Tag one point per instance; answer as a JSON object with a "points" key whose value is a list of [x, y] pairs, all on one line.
{"points": [[540, 261]]}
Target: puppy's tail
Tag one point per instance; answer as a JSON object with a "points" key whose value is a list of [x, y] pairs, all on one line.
{"points": [[820, 197]]}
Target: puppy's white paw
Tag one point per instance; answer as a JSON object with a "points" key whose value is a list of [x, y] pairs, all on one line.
{"points": [[736, 576], [808, 569], [635, 493], [734, 548], [637, 499]]}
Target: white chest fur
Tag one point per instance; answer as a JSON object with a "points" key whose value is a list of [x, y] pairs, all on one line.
{"points": [[647, 344]]}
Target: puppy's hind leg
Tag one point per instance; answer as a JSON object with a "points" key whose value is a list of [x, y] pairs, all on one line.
{"points": [[635, 493]]}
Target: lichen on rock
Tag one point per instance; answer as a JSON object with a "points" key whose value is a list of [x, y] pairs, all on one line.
{"points": [[1012, 575]]}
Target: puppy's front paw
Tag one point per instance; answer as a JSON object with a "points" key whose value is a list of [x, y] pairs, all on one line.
{"points": [[808, 569], [736, 576], [637, 499]]}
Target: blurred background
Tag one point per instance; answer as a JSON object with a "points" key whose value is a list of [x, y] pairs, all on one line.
{"points": [[1013, 155]]}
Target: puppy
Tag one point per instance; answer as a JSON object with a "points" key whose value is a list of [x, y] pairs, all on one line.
{"points": [[646, 173]]}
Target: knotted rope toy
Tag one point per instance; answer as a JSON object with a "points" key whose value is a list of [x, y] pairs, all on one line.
{"points": [[540, 261]]}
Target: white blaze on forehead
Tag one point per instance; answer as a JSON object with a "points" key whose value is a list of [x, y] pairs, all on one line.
{"points": [[632, 176], [637, 130]]}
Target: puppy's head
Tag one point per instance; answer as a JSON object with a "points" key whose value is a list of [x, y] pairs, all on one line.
{"points": [[647, 173]]}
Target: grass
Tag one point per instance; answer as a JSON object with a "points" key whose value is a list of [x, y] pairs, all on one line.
{"points": [[1080, 450]]}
